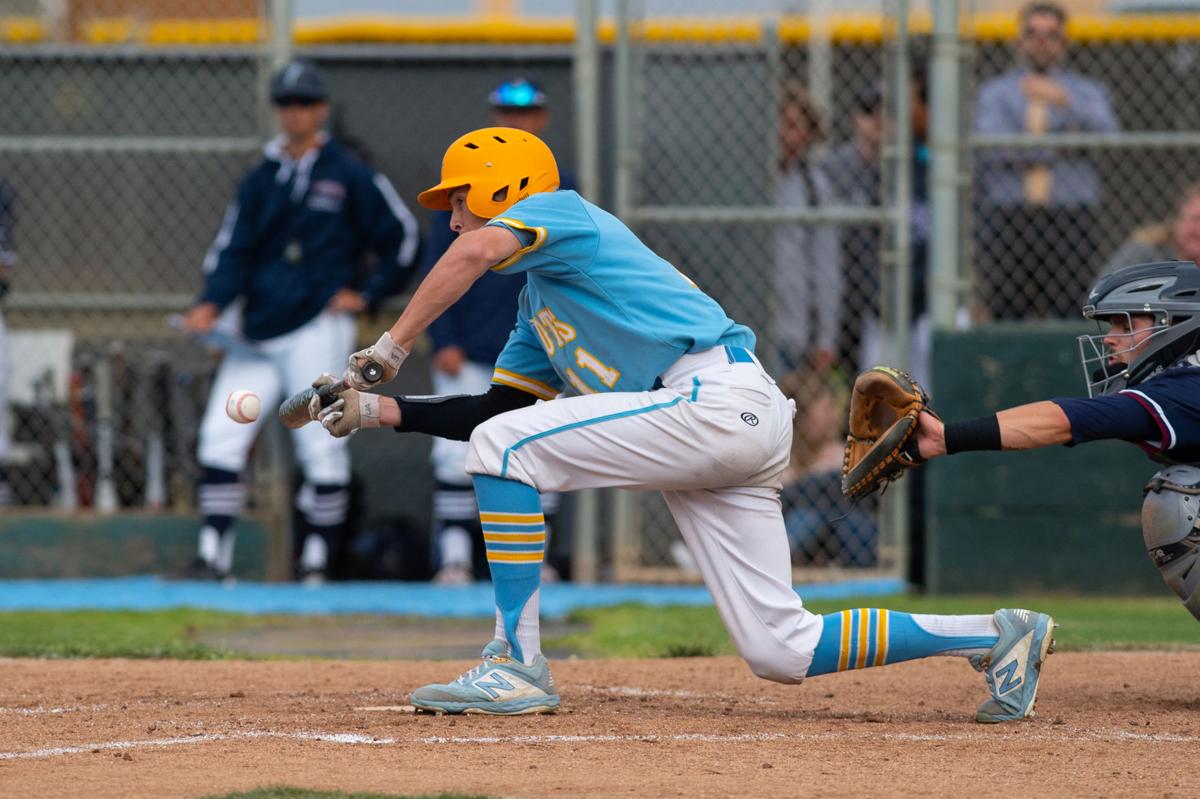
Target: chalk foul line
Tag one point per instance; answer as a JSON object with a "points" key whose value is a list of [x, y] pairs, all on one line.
{"points": [[1062, 735]]}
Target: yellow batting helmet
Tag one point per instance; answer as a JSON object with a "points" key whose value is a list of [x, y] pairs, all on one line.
{"points": [[501, 166]]}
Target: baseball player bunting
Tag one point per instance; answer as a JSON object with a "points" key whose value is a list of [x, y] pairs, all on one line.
{"points": [[655, 387]]}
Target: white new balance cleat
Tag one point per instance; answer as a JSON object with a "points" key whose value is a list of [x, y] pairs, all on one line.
{"points": [[500, 686], [1014, 665]]}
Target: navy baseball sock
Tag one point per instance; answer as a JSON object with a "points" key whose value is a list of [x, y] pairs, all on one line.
{"points": [[221, 495], [455, 525], [324, 506]]}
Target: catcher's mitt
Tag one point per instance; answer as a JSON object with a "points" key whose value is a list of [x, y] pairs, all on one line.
{"points": [[884, 408]]}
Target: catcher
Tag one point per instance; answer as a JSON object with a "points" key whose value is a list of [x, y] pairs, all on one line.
{"points": [[1143, 381], [648, 384]]}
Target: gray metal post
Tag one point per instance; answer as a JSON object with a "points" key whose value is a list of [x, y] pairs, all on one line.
{"points": [[283, 12], [586, 72], [623, 112], [820, 56], [945, 150], [898, 322], [625, 510], [902, 192], [277, 463], [586, 75]]}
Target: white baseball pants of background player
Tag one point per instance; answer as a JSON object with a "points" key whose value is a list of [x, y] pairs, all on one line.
{"points": [[715, 439], [273, 369], [455, 513]]}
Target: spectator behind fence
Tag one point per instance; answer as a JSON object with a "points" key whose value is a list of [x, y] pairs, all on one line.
{"points": [[812, 485], [1175, 240], [854, 171], [1037, 206], [808, 268], [467, 339], [290, 251], [8, 259]]}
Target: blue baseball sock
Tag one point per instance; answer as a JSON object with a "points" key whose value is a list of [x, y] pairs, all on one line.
{"points": [[859, 639], [514, 535]]}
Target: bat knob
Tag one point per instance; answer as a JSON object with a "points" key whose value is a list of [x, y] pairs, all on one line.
{"points": [[372, 372]]}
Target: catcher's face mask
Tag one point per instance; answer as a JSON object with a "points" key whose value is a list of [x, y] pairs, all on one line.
{"points": [[1107, 356]]}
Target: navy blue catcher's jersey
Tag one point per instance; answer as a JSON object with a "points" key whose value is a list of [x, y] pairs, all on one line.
{"points": [[1161, 415]]}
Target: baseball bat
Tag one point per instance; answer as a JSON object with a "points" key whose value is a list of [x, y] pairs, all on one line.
{"points": [[294, 410]]}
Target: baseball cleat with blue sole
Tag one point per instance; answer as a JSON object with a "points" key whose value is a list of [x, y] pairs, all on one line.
{"points": [[500, 686], [1014, 665]]}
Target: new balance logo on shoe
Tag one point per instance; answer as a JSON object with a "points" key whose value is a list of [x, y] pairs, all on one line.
{"points": [[493, 684], [1004, 678]]}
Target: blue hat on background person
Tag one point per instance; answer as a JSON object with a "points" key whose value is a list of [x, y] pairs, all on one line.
{"points": [[298, 81], [517, 94]]}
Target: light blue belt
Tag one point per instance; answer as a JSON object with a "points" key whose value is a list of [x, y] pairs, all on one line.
{"points": [[738, 354]]}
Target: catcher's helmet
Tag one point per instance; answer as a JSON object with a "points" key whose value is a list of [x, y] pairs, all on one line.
{"points": [[1169, 292], [500, 166]]}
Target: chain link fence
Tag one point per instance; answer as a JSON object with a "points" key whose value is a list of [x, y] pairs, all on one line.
{"points": [[116, 158], [781, 164], [1082, 145], [762, 162]]}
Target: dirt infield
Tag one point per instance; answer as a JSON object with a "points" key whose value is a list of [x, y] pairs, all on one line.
{"points": [[1113, 724]]}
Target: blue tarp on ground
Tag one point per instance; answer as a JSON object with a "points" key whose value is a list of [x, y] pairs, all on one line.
{"points": [[408, 599]]}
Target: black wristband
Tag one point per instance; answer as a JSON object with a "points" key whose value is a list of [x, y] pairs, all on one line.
{"points": [[978, 434]]}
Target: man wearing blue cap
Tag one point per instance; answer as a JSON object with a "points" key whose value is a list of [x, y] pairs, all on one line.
{"points": [[467, 339], [288, 266]]}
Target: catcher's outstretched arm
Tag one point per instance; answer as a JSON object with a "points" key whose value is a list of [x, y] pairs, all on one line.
{"points": [[1038, 424]]}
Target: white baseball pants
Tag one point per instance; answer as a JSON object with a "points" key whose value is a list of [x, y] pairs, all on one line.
{"points": [[449, 456], [273, 369], [715, 440]]}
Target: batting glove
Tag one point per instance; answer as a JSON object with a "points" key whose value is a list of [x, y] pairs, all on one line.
{"points": [[353, 411], [385, 352]]}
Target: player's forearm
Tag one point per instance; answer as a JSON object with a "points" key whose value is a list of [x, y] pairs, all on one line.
{"points": [[389, 412], [468, 258], [1038, 424]]}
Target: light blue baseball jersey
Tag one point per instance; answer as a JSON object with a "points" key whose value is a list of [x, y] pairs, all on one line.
{"points": [[600, 311]]}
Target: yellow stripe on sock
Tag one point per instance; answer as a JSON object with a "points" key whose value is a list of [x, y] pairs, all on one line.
{"points": [[881, 639], [844, 655], [514, 557], [515, 538], [512, 518], [864, 625]]}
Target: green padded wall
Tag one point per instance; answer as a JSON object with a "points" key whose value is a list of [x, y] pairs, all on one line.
{"points": [[1057, 519], [85, 545]]}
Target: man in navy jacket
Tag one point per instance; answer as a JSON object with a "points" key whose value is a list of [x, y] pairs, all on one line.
{"points": [[284, 277]]}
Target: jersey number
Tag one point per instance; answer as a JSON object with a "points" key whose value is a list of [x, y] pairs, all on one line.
{"points": [[554, 334]]}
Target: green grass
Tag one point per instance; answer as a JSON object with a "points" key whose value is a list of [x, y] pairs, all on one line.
{"points": [[281, 792], [107, 634], [1086, 623]]}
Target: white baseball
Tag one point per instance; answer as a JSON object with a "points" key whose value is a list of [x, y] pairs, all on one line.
{"points": [[243, 406]]}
